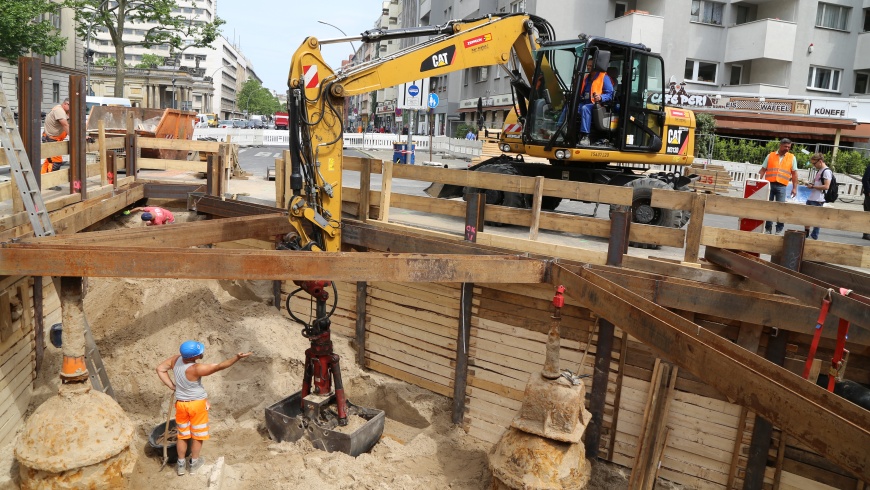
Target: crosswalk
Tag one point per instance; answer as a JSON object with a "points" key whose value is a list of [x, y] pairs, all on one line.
{"points": [[260, 154]]}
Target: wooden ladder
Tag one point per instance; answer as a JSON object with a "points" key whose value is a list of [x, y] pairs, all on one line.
{"points": [[31, 196]]}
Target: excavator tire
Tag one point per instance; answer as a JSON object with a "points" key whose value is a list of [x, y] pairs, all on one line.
{"points": [[642, 212], [684, 214], [501, 198]]}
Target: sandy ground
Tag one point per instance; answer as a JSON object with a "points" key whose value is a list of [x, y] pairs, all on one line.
{"points": [[138, 323]]}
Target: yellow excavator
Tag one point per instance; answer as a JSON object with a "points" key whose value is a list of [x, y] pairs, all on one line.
{"points": [[632, 132], [634, 128]]}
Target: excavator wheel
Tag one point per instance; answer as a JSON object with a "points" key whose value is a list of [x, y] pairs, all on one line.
{"points": [[643, 212], [500, 198]]}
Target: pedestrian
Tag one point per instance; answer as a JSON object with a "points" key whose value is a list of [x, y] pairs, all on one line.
{"points": [[191, 399], [821, 182], [56, 129], [776, 169], [865, 181], [154, 216], [470, 135]]}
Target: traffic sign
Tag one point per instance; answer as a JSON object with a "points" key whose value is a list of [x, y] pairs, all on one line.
{"points": [[413, 90], [433, 101]]}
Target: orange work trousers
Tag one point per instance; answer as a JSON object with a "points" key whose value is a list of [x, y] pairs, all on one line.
{"points": [[52, 163]]}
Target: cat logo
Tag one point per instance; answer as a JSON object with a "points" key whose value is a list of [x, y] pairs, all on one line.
{"points": [[442, 58], [677, 141]]}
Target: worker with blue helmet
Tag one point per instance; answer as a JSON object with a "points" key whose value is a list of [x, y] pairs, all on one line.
{"points": [[191, 399]]}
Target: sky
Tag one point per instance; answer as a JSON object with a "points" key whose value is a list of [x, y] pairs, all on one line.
{"points": [[268, 32]]}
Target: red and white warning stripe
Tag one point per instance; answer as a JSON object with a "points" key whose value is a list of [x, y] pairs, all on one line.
{"points": [[310, 76], [513, 128], [754, 189]]}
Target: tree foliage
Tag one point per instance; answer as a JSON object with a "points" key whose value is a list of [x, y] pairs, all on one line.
{"points": [[170, 26], [149, 60], [20, 34], [253, 98]]}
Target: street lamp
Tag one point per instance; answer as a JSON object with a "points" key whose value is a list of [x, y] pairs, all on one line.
{"points": [[89, 54], [218, 90]]}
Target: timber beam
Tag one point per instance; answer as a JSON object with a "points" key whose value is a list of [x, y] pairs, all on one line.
{"points": [[771, 310], [199, 263], [228, 208], [179, 235], [841, 276], [830, 425], [854, 308]]}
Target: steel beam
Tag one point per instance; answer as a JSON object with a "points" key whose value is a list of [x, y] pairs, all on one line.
{"points": [[229, 208], [834, 427], [199, 263], [171, 191]]}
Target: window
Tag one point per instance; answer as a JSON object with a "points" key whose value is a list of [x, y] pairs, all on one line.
{"points": [[736, 75], [866, 20], [707, 12], [862, 83], [518, 6], [700, 71], [620, 9], [55, 92], [824, 78], [832, 16], [742, 14], [482, 73], [465, 76]]}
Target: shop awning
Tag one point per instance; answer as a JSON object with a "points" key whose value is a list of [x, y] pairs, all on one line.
{"points": [[802, 128]]}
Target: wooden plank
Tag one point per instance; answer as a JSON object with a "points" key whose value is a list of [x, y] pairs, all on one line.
{"points": [[386, 366], [445, 350], [5, 315], [386, 190], [791, 481], [419, 302], [164, 164], [693, 232], [494, 399], [179, 144], [432, 365], [12, 418], [512, 392]]}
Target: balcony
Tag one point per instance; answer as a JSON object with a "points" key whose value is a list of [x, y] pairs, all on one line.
{"points": [[862, 52], [637, 28], [762, 39]]}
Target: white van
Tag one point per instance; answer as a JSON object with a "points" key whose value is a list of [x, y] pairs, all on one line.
{"points": [[91, 101]]}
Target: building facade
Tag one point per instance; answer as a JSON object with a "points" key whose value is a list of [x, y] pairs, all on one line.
{"points": [[764, 50]]}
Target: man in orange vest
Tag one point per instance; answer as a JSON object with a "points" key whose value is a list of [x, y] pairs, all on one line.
{"points": [[596, 89], [778, 168], [56, 129]]}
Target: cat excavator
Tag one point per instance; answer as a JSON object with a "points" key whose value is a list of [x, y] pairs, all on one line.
{"points": [[545, 76]]}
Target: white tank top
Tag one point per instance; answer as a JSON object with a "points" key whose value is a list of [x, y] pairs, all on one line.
{"points": [[185, 389]]}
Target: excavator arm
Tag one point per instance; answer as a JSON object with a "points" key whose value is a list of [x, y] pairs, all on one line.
{"points": [[316, 104]]}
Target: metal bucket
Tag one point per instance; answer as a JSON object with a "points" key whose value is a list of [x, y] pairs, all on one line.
{"points": [[171, 452], [285, 422]]}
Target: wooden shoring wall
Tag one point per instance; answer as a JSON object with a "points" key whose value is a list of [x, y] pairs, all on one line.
{"points": [[17, 353]]}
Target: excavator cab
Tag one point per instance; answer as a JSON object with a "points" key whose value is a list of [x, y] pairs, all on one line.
{"points": [[631, 119]]}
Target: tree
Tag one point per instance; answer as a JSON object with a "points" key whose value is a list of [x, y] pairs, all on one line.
{"points": [[149, 60], [253, 98], [170, 26], [20, 34]]}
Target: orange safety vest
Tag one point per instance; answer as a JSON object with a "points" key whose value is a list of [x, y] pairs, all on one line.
{"points": [[597, 85], [779, 170]]}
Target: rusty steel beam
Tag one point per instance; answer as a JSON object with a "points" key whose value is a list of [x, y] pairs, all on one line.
{"points": [[198, 263], [359, 234], [78, 165], [853, 308], [830, 425], [178, 235], [229, 208]]}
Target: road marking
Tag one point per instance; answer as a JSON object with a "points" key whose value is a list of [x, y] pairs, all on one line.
{"points": [[264, 154]]}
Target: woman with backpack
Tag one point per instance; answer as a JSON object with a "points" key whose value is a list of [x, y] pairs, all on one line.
{"points": [[821, 182]]}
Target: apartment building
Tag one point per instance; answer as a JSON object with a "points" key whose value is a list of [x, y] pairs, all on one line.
{"points": [[205, 79], [810, 57]]}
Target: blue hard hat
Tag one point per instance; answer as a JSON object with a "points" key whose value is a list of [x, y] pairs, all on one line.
{"points": [[191, 348], [146, 216]]}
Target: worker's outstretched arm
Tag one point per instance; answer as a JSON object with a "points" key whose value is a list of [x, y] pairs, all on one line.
{"points": [[163, 371], [207, 369]]}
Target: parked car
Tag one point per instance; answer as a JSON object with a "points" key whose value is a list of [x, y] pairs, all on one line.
{"points": [[225, 123]]}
